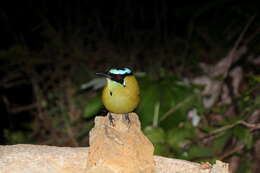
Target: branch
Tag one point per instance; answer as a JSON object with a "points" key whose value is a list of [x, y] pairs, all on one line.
{"points": [[175, 108], [241, 122], [23, 108]]}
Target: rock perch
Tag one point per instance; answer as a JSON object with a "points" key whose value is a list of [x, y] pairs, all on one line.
{"points": [[121, 147]]}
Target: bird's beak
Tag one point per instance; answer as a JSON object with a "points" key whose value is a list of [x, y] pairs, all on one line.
{"points": [[104, 74]]}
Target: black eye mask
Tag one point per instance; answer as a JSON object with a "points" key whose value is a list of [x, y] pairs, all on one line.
{"points": [[118, 78], [117, 75]]}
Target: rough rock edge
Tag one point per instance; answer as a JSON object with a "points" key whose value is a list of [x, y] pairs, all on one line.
{"points": [[120, 146], [42, 159]]}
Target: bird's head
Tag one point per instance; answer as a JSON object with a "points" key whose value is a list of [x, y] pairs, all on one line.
{"points": [[117, 75]]}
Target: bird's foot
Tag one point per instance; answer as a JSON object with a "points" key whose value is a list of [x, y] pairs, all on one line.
{"points": [[126, 116], [111, 119]]}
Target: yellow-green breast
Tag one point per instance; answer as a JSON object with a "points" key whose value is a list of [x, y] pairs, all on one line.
{"points": [[121, 99]]}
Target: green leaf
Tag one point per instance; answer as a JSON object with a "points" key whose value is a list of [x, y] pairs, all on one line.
{"points": [[92, 107], [219, 143], [230, 121], [155, 134], [150, 95], [87, 127], [257, 101], [157, 137], [181, 99], [244, 135], [177, 138], [207, 128], [174, 93], [160, 149], [255, 78], [246, 167], [199, 151], [15, 137]]}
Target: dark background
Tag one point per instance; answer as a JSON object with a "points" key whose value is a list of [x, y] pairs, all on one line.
{"points": [[22, 21]]}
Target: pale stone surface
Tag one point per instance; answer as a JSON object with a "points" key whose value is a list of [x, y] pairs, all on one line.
{"points": [[42, 159], [169, 165], [220, 167], [121, 147], [49, 159]]}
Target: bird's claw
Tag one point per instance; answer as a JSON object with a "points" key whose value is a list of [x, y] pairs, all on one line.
{"points": [[127, 118], [111, 119]]}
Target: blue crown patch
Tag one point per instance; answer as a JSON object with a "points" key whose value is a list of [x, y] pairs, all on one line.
{"points": [[120, 71]]}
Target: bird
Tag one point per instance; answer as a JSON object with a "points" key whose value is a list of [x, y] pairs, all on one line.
{"points": [[121, 92]]}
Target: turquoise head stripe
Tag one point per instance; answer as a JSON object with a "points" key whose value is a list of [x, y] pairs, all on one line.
{"points": [[120, 71]]}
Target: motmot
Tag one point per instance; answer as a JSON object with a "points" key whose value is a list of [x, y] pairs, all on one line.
{"points": [[121, 92]]}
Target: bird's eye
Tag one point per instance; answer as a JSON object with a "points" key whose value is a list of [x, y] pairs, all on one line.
{"points": [[118, 77]]}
